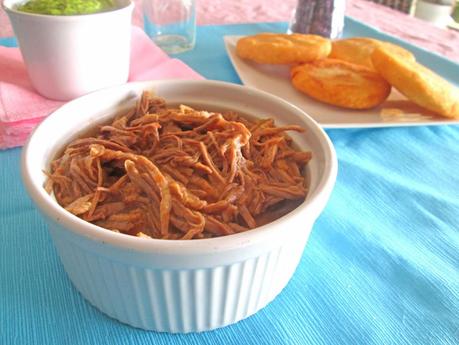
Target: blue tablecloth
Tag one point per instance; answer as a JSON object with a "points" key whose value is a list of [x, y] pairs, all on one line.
{"points": [[381, 266]]}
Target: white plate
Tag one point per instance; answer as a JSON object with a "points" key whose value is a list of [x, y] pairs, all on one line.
{"points": [[395, 111]]}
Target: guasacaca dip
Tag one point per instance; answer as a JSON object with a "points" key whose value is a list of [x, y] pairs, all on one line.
{"points": [[66, 7]]}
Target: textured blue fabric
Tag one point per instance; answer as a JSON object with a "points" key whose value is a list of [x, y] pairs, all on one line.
{"points": [[381, 265]]}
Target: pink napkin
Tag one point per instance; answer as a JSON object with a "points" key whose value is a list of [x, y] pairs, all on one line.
{"points": [[21, 108]]}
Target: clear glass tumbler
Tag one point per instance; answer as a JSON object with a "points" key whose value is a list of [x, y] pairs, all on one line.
{"points": [[171, 24]]}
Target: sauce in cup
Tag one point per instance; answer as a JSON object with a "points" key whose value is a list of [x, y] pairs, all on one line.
{"points": [[66, 7]]}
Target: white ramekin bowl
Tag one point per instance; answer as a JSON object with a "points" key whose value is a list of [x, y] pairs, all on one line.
{"points": [[69, 56], [178, 286]]}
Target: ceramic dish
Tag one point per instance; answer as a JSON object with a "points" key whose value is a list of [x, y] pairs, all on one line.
{"points": [[395, 111], [69, 56], [178, 286]]}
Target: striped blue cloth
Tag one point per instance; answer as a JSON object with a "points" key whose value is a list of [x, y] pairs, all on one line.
{"points": [[381, 265]]}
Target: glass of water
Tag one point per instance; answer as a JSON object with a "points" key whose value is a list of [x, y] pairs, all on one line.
{"points": [[171, 24]]}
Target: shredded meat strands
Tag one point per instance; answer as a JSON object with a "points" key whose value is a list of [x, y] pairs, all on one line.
{"points": [[180, 173]]}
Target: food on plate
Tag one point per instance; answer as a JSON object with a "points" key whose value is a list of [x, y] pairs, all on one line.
{"points": [[66, 7], [358, 50], [341, 83], [354, 73], [179, 173], [271, 48], [418, 83]]}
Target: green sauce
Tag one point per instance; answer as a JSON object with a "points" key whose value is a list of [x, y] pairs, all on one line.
{"points": [[66, 7]]}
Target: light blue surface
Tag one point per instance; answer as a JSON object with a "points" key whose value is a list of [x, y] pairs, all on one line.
{"points": [[381, 266], [8, 41]]}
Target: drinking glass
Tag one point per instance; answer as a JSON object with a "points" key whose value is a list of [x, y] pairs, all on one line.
{"points": [[171, 24]]}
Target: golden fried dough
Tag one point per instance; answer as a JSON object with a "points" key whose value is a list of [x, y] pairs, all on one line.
{"points": [[341, 83], [418, 83], [358, 50], [269, 48]]}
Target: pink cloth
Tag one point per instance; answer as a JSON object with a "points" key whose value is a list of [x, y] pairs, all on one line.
{"points": [[413, 30], [21, 108], [416, 31]]}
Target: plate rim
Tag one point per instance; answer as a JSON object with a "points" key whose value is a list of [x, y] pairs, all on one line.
{"points": [[228, 40]]}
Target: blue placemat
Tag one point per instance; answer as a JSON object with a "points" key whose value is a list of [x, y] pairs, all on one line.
{"points": [[381, 265]]}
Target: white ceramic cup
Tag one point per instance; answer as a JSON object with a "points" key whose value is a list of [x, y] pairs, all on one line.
{"points": [[438, 15], [69, 56]]}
